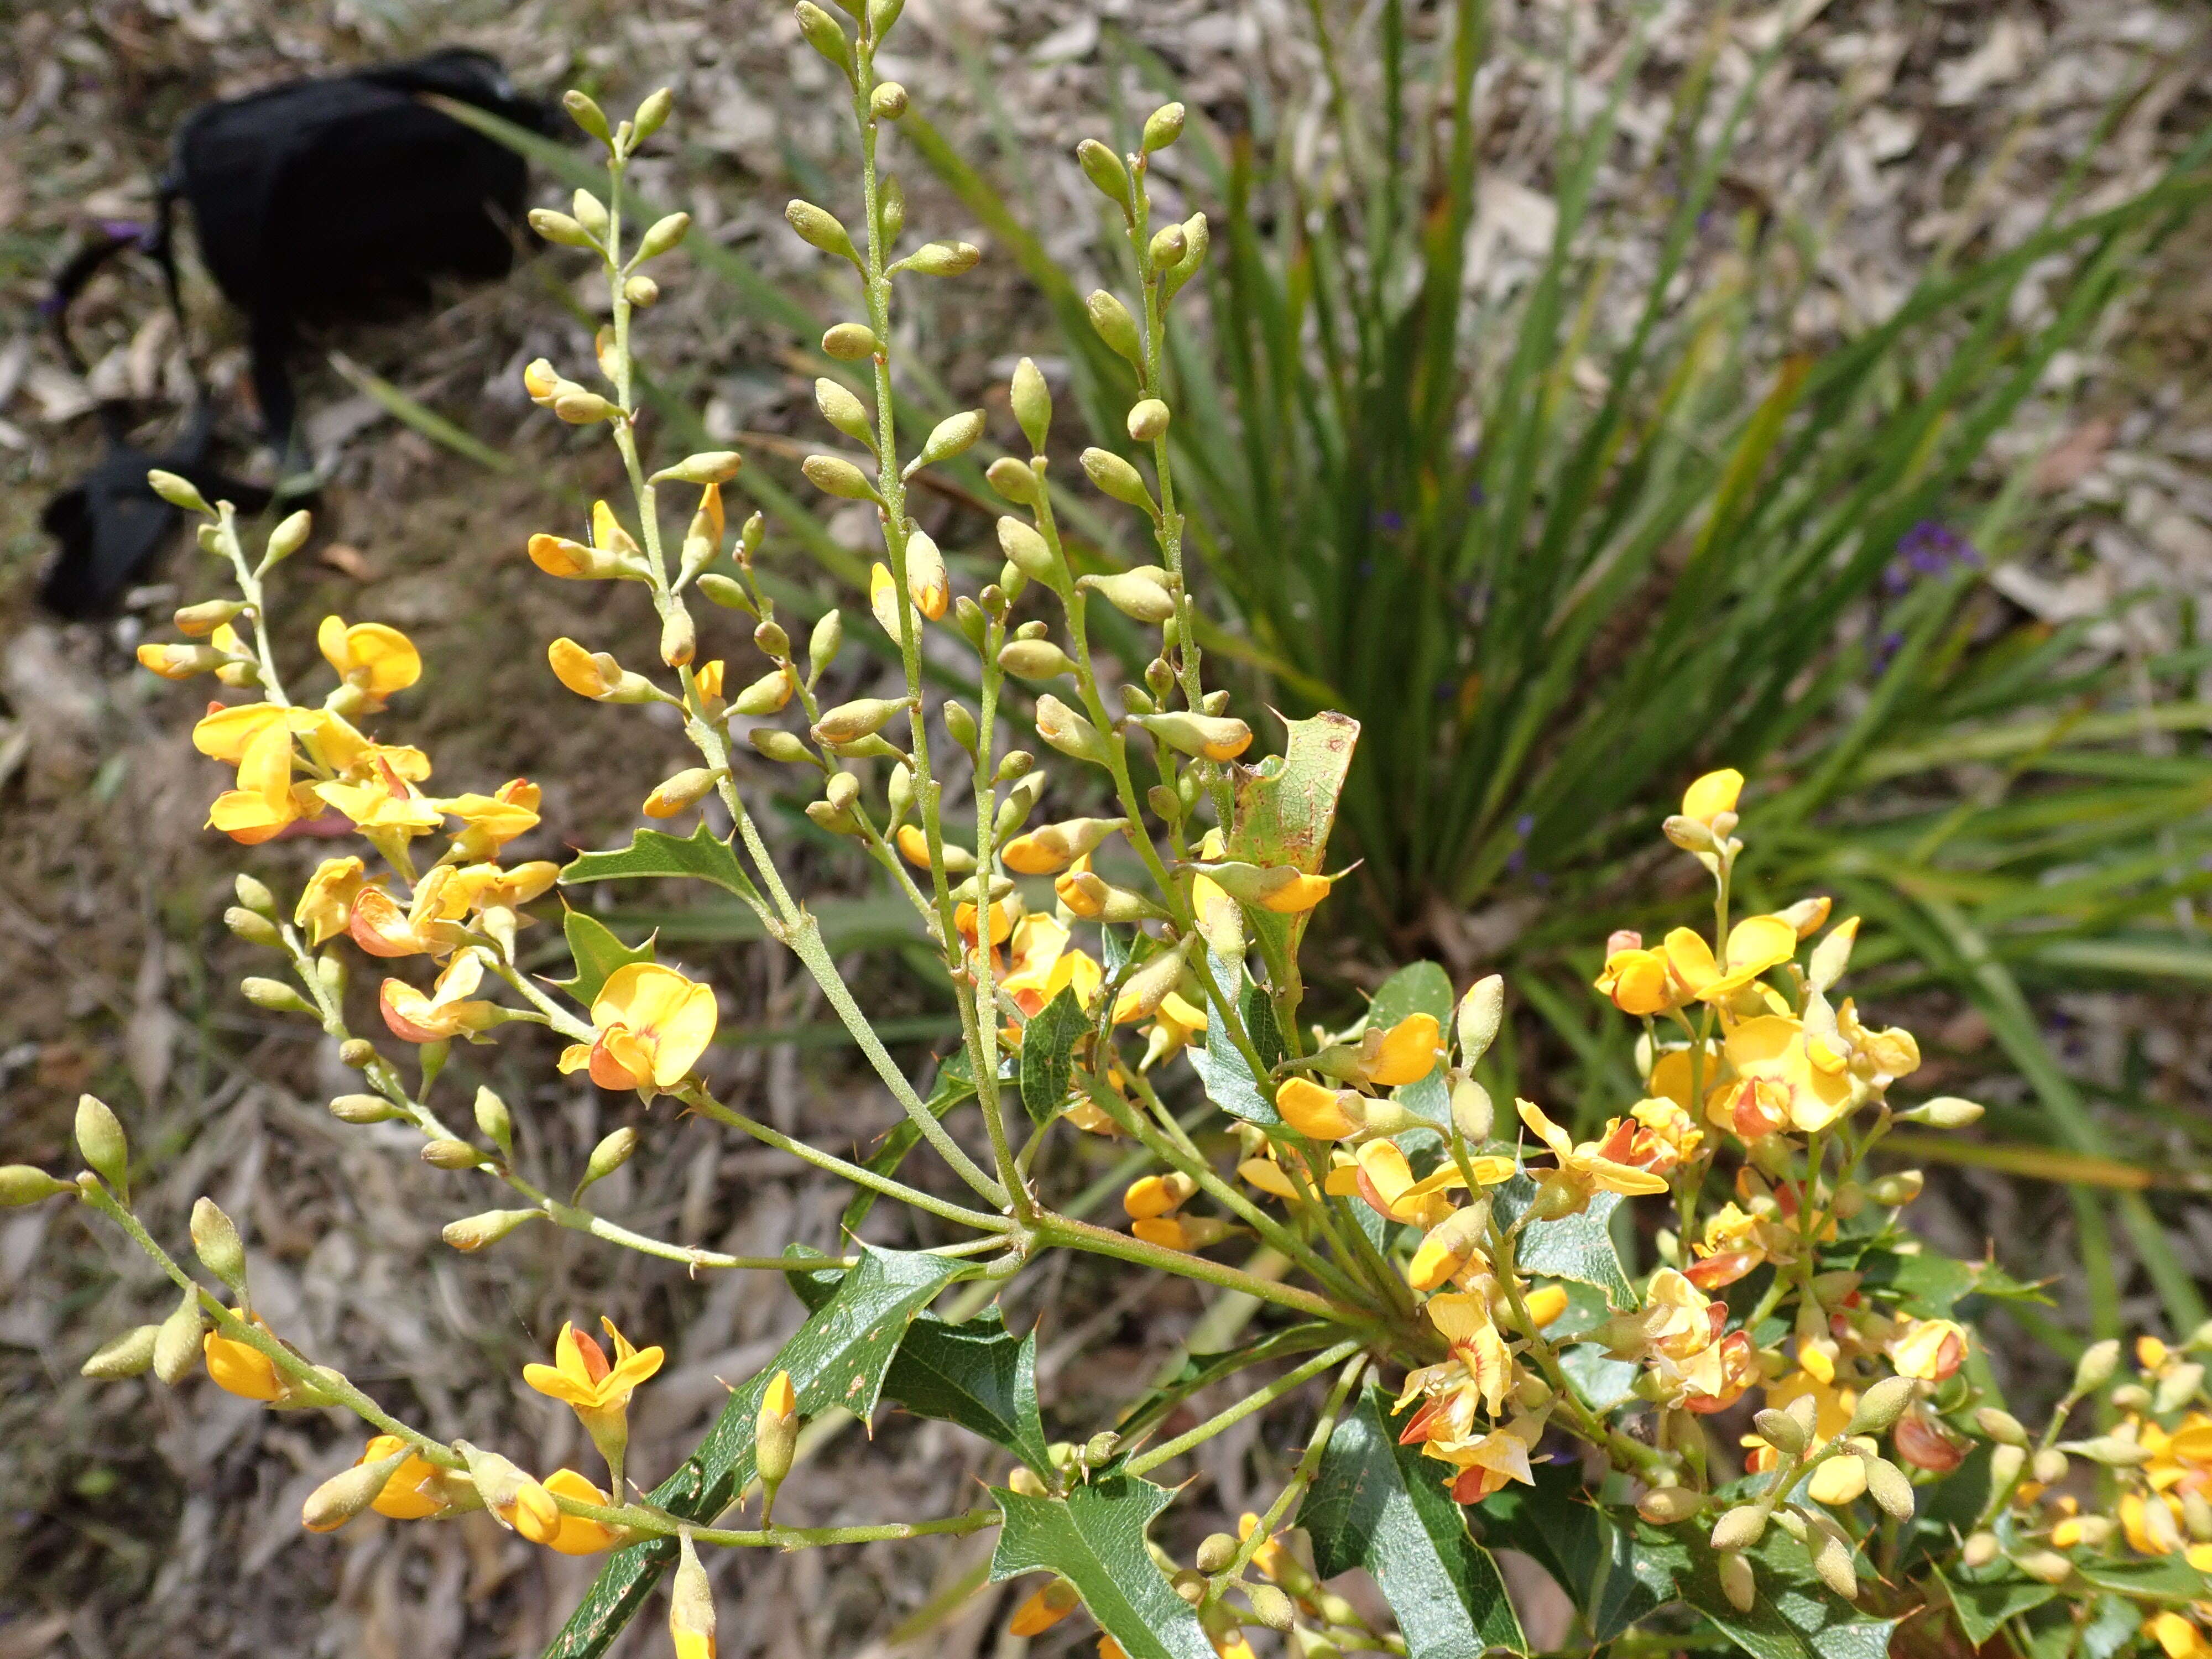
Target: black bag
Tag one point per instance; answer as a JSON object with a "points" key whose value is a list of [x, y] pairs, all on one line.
{"points": [[333, 200]]}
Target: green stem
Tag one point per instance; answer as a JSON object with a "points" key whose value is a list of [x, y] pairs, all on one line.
{"points": [[1301, 1478], [1257, 1400]]}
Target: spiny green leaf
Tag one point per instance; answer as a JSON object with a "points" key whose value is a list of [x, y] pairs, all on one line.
{"points": [[596, 953], [1377, 1504], [1577, 1247], [976, 1373], [838, 1358], [1047, 1055], [1095, 1539], [702, 856], [1982, 1607]]}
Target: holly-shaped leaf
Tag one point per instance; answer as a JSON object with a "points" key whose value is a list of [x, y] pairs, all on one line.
{"points": [[1094, 1538], [703, 855], [1048, 1058], [1985, 1605], [1376, 1505], [838, 1358], [977, 1374], [1577, 1247], [596, 953], [1285, 809]]}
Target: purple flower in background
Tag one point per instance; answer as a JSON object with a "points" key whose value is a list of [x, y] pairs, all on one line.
{"points": [[1389, 521]]}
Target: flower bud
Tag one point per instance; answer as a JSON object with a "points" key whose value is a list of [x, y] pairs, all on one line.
{"points": [[474, 1232], [1881, 1406], [1027, 1481], [446, 1154], [848, 342], [1664, 1507], [1210, 736], [23, 1183], [1167, 248], [1163, 127], [177, 1345], [349, 1492], [1739, 1529], [2113, 1452], [1105, 170], [863, 717], [611, 1154], [582, 408], [1271, 1607], [1738, 1582], [101, 1143], [1890, 1487], [1473, 1114], [586, 114], [1116, 326], [888, 102], [833, 474], [819, 227], [1034, 660], [2001, 1426], [179, 492], [660, 236], [2045, 1567], [775, 1433], [1148, 420], [1025, 549], [357, 1051], [198, 621], [679, 638], [1980, 1549], [2049, 1466], [821, 32], [765, 695], [274, 995], [1894, 1191], [1215, 1551], [1032, 403], [943, 260], [1944, 1112], [215, 1242], [843, 410], [685, 790], [787, 747], [1068, 732], [1781, 1430], [2096, 1368], [130, 1354], [363, 1108], [1831, 1560], [1142, 595]]}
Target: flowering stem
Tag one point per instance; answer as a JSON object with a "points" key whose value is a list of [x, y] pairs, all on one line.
{"points": [[1244, 1408], [1052, 1229], [695, 1095], [326, 1383], [638, 1518], [1301, 1478]]}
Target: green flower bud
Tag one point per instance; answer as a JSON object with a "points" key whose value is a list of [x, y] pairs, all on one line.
{"points": [[1739, 1582], [2096, 1368], [1980, 1549], [1068, 732], [581, 408], [349, 1492], [660, 236], [1116, 326], [289, 536], [1116, 478], [177, 1343], [951, 435], [101, 1143], [2001, 1426], [442, 1154], [590, 213], [845, 411], [22, 1183], [494, 1122], [363, 1108], [942, 259], [587, 115], [960, 724], [651, 114], [777, 745], [1028, 551], [1944, 1112], [611, 1154], [180, 493], [1271, 1607], [862, 717], [833, 474], [1142, 595], [848, 342], [274, 995], [1215, 1551], [1034, 660], [1148, 420], [1163, 127], [1106, 171], [559, 229], [1665, 1506], [821, 32], [216, 1240], [1032, 402], [819, 227], [474, 1232], [1881, 1406], [130, 1354], [254, 928], [888, 102]]}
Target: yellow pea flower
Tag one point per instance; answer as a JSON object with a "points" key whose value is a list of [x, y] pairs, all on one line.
{"points": [[1450, 1245], [1406, 1053], [2178, 1637], [653, 1025], [1770, 1052], [384, 802], [1586, 1165], [240, 1368], [404, 1496], [593, 674], [581, 1378], [1929, 1349], [1267, 1175], [264, 801], [489, 822], [1187, 1233], [1838, 1481], [1044, 1608], [325, 906], [450, 1010], [373, 659], [1638, 982], [1754, 945], [481, 887], [1546, 1303], [1319, 1113], [1158, 1194], [426, 928], [542, 1521], [1711, 795], [1040, 965]]}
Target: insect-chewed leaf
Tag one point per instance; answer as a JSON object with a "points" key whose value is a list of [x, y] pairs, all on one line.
{"points": [[596, 953], [837, 1358], [1286, 808], [1047, 1055], [701, 855], [1382, 1506], [1095, 1539]]}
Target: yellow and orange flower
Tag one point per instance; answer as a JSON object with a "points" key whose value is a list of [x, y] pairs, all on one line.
{"points": [[372, 660], [1587, 1167], [325, 906], [451, 1010], [652, 1024], [489, 822], [409, 1493]]}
